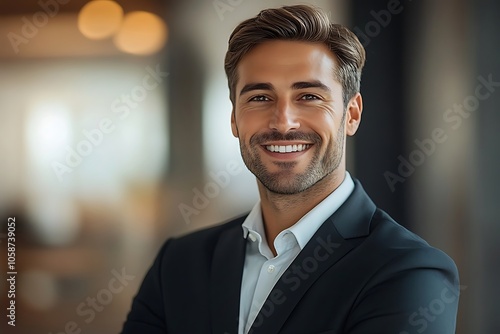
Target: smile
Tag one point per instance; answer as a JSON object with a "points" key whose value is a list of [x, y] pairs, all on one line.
{"points": [[287, 148]]}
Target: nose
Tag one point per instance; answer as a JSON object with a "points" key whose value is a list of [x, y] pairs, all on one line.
{"points": [[284, 118]]}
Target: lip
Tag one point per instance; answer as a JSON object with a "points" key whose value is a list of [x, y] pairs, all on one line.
{"points": [[285, 143], [289, 155]]}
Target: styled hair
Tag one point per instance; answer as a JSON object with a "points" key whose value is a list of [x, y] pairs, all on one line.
{"points": [[298, 23]]}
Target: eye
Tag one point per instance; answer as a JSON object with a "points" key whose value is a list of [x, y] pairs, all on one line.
{"points": [[309, 97], [259, 98]]}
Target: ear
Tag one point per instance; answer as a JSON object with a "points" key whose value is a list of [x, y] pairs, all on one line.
{"points": [[353, 117], [234, 128]]}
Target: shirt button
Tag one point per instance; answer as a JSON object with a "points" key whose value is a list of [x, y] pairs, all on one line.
{"points": [[252, 237], [270, 269]]}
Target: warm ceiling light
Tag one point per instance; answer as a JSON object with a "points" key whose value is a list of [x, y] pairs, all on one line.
{"points": [[100, 19], [141, 33]]}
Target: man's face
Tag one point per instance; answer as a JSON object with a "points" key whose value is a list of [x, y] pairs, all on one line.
{"points": [[289, 115]]}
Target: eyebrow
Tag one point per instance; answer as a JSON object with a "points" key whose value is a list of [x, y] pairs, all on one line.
{"points": [[311, 84], [256, 86], [296, 85]]}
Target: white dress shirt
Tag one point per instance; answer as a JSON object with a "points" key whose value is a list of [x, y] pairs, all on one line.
{"points": [[262, 269]]}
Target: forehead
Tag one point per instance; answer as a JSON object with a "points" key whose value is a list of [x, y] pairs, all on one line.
{"points": [[287, 61]]}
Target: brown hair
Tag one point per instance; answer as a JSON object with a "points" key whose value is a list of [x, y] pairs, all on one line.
{"points": [[298, 23]]}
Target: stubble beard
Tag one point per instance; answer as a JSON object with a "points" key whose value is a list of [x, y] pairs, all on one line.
{"points": [[286, 181]]}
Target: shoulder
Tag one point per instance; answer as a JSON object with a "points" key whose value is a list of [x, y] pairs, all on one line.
{"points": [[399, 276], [200, 242], [393, 248], [212, 233]]}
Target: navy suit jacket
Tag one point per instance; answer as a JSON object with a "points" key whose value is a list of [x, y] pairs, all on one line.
{"points": [[361, 273]]}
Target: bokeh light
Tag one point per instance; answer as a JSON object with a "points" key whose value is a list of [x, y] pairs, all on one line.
{"points": [[142, 33], [100, 19]]}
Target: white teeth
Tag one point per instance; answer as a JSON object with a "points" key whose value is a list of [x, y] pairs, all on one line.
{"points": [[287, 148]]}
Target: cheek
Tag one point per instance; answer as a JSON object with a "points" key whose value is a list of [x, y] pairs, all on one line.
{"points": [[249, 123], [325, 123]]}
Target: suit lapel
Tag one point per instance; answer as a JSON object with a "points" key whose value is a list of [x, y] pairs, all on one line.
{"points": [[225, 280], [336, 237]]}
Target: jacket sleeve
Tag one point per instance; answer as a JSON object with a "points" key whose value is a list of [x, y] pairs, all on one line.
{"points": [[147, 314], [417, 292]]}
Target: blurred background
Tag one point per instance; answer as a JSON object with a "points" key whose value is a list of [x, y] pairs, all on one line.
{"points": [[115, 135]]}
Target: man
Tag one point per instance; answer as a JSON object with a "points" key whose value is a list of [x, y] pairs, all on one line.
{"points": [[315, 255]]}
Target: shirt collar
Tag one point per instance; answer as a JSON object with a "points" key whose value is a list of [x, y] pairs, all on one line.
{"points": [[304, 229], [253, 222]]}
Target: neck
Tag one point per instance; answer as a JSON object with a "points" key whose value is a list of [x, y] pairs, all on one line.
{"points": [[279, 211]]}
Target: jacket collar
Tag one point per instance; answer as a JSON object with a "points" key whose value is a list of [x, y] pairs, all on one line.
{"points": [[225, 279], [339, 234]]}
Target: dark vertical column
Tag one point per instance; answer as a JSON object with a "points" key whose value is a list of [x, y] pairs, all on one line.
{"points": [[185, 102], [487, 163], [380, 26], [185, 91]]}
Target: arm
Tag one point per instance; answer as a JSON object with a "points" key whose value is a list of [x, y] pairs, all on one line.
{"points": [[147, 314], [417, 292]]}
